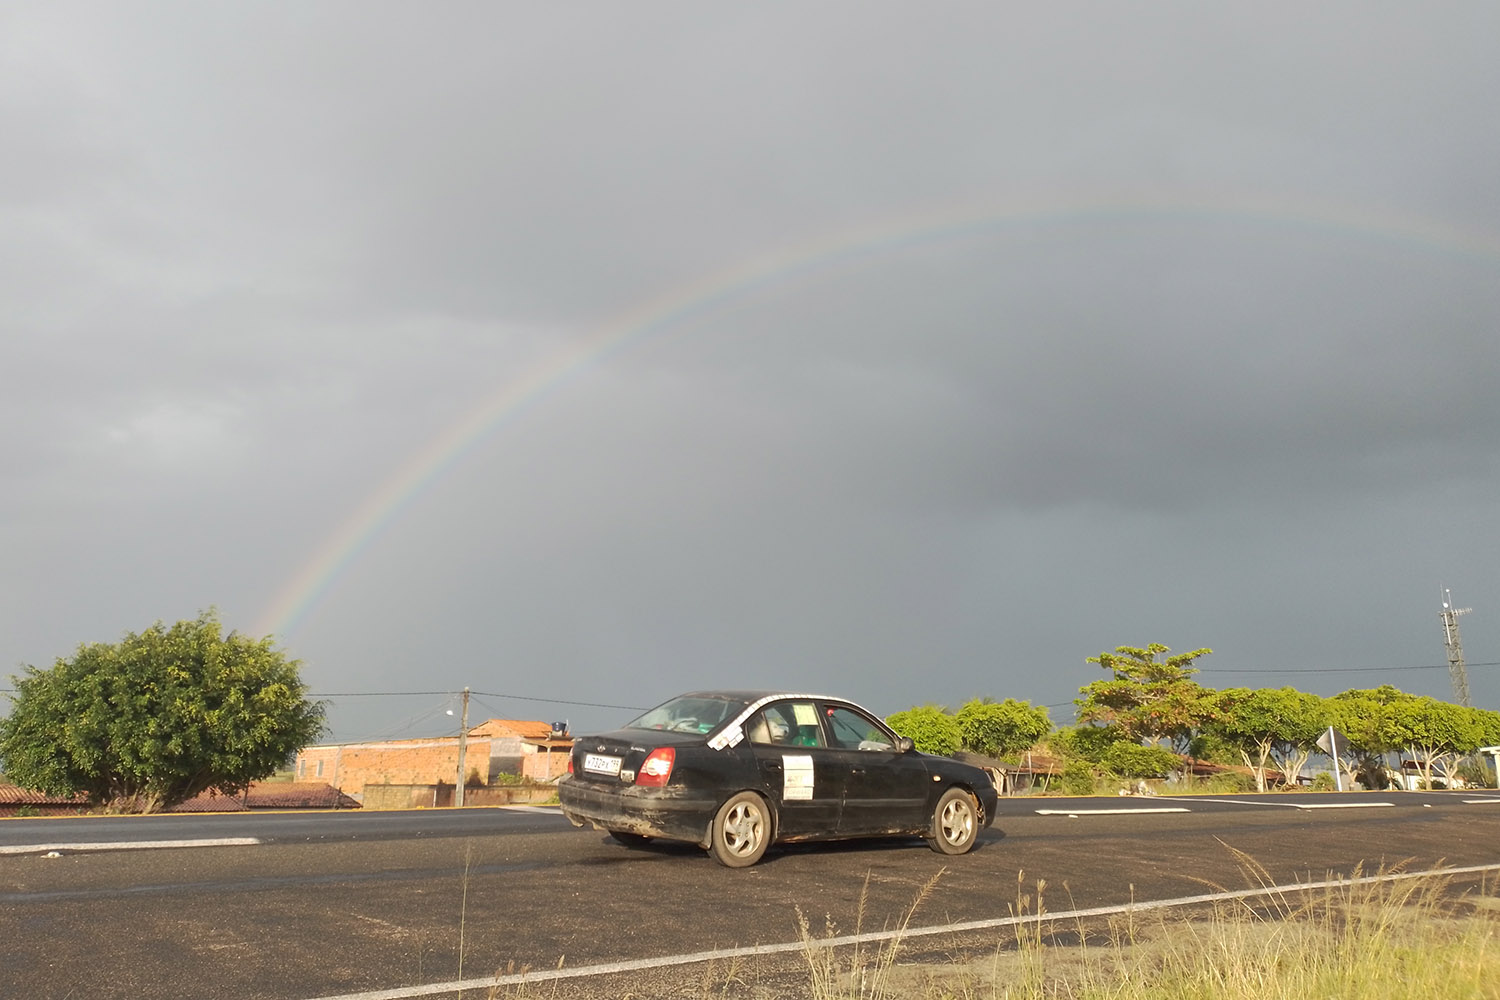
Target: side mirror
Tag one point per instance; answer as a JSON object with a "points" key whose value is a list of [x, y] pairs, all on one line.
{"points": [[904, 744]]}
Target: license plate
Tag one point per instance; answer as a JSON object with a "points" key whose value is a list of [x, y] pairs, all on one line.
{"points": [[601, 764]]}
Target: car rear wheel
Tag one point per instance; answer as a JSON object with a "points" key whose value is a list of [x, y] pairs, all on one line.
{"points": [[741, 831], [630, 839], [955, 823]]}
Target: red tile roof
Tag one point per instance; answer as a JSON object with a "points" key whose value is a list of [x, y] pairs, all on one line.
{"points": [[210, 802], [262, 795], [11, 795], [524, 728], [273, 795], [298, 795]]}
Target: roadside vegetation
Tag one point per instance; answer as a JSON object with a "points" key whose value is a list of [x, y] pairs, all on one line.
{"points": [[1382, 938], [158, 717], [1150, 719]]}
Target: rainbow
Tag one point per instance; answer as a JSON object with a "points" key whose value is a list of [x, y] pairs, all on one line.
{"points": [[672, 310]]}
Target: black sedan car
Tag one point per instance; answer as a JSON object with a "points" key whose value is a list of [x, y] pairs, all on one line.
{"points": [[736, 771]]}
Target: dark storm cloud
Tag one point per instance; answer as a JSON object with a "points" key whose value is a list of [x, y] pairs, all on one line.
{"points": [[1204, 356]]}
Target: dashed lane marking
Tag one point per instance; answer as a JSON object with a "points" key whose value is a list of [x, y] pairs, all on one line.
{"points": [[1232, 802], [870, 937], [1110, 812], [544, 810], [128, 845], [1294, 805]]}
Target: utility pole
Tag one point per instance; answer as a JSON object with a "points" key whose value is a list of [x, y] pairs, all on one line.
{"points": [[463, 745], [1457, 672]]}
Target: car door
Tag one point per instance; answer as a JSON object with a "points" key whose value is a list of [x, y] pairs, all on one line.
{"points": [[885, 790], [796, 768]]}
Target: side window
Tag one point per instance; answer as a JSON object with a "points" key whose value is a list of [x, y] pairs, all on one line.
{"points": [[856, 731], [787, 724], [758, 729]]}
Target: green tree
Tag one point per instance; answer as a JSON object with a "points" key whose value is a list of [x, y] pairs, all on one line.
{"points": [[158, 717], [1001, 729], [1131, 760], [931, 729], [1270, 726], [1438, 734], [1086, 741], [1371, 719], [1150, 699]]}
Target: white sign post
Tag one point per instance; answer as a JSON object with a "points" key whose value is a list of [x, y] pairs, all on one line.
{"points": [[1333, 743]]}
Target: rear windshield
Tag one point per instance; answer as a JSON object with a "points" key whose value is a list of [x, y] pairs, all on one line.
{"points": [[689, 714]]}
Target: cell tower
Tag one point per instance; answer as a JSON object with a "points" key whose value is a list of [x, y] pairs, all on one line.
{"points": [[1457, 672]]}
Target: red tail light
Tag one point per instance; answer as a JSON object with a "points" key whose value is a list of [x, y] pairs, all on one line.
{"points": [[570, 763], [657, 767]]}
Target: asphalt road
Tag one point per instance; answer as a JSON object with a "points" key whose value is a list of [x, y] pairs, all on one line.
{"points": [[334, 904]]}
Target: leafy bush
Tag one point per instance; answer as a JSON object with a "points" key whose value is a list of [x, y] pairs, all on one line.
{"points": [[1323, 782], [1213, 748], [1089, 742], [1077, 778], [1230, 781], [1131, 760], [1476, 774], [158, 717], [1001, 729], [929, 727]]}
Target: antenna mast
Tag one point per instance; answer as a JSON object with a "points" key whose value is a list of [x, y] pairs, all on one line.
{"points": [[1457, 672]]}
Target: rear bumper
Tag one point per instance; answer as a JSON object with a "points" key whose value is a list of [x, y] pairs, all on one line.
{"points": [[671, 813]]}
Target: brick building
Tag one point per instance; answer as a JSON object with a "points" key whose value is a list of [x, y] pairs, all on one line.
{"points": [[498, 746]]}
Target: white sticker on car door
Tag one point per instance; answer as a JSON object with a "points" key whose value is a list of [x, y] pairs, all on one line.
{"points": [[797, 777]]}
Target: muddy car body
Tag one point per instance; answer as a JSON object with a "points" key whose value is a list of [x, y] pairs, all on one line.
{"points": [[736, 771]]}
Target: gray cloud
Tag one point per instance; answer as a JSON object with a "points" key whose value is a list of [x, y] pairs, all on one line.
{"points": [[1204, 352]]}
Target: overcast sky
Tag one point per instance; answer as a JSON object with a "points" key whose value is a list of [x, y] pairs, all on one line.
{"points": [[904, 352]]}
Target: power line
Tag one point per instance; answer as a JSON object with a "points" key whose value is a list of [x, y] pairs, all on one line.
{"points": [[379, 694], [1328, 670], [642, 708], [486, 694]]}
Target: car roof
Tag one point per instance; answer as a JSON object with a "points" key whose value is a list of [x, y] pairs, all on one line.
{"points": [[750, 695]]}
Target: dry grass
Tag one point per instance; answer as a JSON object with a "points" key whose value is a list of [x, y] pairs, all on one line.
{"points": [[1388, 937], [862, 974]]}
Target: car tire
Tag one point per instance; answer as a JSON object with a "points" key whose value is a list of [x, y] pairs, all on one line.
{"points": [[741, 831], [955, 823], [630, 839]]}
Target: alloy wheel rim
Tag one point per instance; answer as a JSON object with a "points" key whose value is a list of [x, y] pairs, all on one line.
{"points": [[958, 822], [742, 829]]}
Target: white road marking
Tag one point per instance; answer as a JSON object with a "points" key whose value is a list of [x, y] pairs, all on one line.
{"points": [[1481, 802], [130, 845], [870, 937], [545, 810], [1293, 805], [1232, 802], [1110, 812]]}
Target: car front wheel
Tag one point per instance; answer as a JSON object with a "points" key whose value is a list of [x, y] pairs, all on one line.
{"points": [[741, 831], [955, 823]]}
